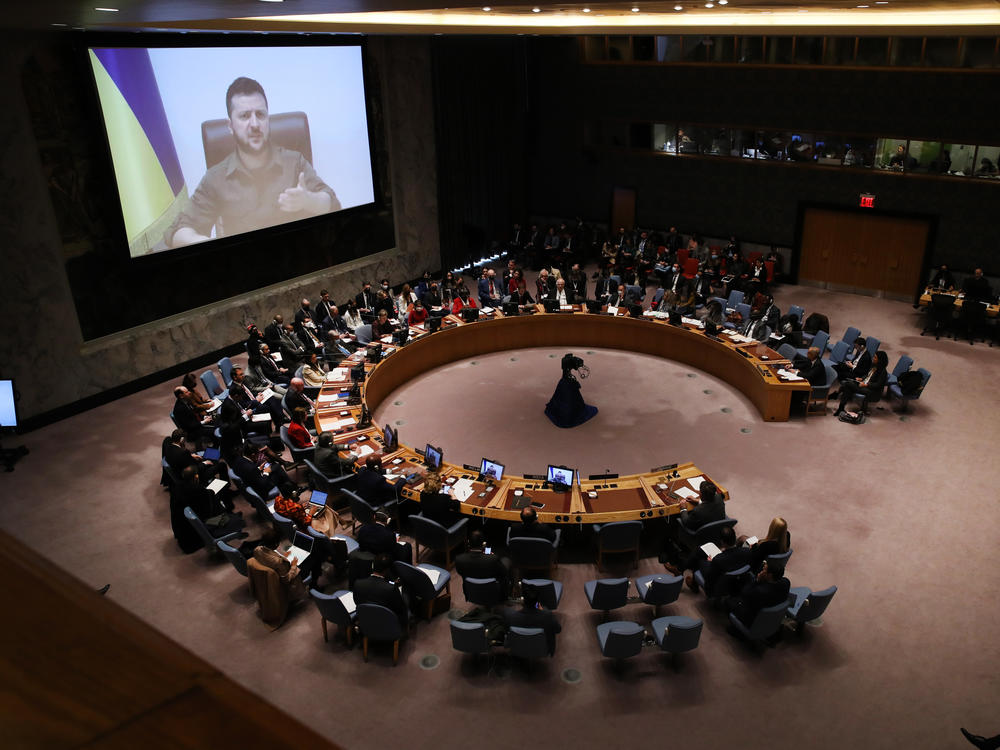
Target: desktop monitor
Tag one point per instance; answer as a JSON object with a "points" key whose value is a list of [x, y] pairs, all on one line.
{"points": [[470, 314], [434, 323], [389, 437], [559, 475], [8, 409], [491, 470], [432, 457]]}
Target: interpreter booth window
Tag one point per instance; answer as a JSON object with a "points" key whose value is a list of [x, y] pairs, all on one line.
{"points": [[801, 148], [699, 49], [723, 49], [840, 50], [891, 154], [941, 52], [779, 50], [750, 49], [988, 162], [872, 51], [829, 150], [718, 141], [906, 51], [669, 49], [640, 135], [859, 151], [962, 157], [744, 144], [643, 48], [619, 48], [808, 50], [773, 145], [692, 139], [616, 134], [595, 48], [665, 137], [929, 158], [979, 52]]}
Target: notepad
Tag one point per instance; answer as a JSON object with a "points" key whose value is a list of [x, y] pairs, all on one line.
{"points": [[265, 395], [696, 481], [751, 541], [329, 399], [790, 376], [347, 599], [337, 373], [710, 549], [365, 450], [434, 575], [487, 310], [339, 424], [612, 310], [217, 484], [260, 418], [214, 405], [463, 490], [276, 356], [685, 493]]}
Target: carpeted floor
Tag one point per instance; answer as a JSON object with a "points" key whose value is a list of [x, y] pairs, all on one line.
{"points": [[899, 513]]}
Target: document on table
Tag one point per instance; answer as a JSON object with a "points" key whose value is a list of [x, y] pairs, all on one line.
{"points": [[364, 450], [612, 310], [260, 418], [339, 424], [487, 310], [347, 599], [329, 399], [685, 493], [386, 339], [217, 484], [463, 490], [790, 376], [696, 481], [337, 373]]}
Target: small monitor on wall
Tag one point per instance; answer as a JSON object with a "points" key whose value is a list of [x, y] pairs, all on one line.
{"points": [[432, 457], [491, 470]]}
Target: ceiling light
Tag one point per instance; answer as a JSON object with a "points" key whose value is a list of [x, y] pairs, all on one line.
{"points": [[57, 24], [678, 7], [272, 1], [881, 2], [635, 10], [487, 9], [723, 2], [536, 10], [709, 5], [864, 6], [107, 10], [586, 10]]}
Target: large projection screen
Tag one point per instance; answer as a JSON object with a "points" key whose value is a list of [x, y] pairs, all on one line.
{"points": [[291, 144]]}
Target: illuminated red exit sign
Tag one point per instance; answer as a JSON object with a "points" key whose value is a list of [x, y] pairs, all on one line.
{"points": [[867, 200]]}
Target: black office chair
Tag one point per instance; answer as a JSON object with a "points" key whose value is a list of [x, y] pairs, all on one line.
{"points": [[940, 315], [288, 129]]}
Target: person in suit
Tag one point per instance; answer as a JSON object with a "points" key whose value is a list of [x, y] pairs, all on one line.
{"points": [[810, 367], [270, 368], [382, 326], [977, 288], [462, 300], [372, 485], [867, 388], [732, 557], [432, 297], [377, 589], [365, 300], [261, 479], [606, 287], [436, 505], [296, 396], [709, 507], [769, 588], [577, 282], [272, 331], [756, 327], [858, 365], [291, 346], [491, 291], [544, 284], [530, 526], [188, 493], [245, 398], [476, 563], [178, 457], [521, 296], [327, 456], [530, 615], [376, 537], [562, 294], [942, 280], [187, 416]]}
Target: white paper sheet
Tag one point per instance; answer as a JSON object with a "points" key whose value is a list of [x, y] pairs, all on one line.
{"points": [[217, 484], [347, 599], [463, 490]]}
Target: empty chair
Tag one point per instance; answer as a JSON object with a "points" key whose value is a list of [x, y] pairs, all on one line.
{"points": [[941, 315], [337, 608], [363, 333], [657, 298], [635, 291], [677, 634], [973, 320], [485, 592], [818, 394], [212, 385], [787, 351], [435, 536], [527, 643], [234, 556], [206, 536], [298, 454], [728, 583], [424, 582], [378, 623], [765, 625], [284, 525], [838, 354], [735, 298], [620, 640], [820, 341], [806, 605], [910, 394], [659, 589], [903, 365], [618, 537], [607, 593], [549, 592], [532, 553], [469, 637], [258, 503], [226, 368], [871, 346], [361, 510], [850, 335]]}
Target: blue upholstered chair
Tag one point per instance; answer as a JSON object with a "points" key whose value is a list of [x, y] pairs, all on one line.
{"points": [[903, 365], [435, 536], [607, 593], [226, 368], [820, 341], [469, 637], [298, 454], [286, 526], [709, 532], [837, 354], [234, 556], [212, 385], [728, 583], [527, 643], [806, 606], [735, 298], [425, 582], [332, 608], [532, 553], [618, 537], [659, 589], [850, 335], [765, 625], [897, 392], [363, 333], [378, 623], [677, 634], [206, 536], [482, 591], [796, 310], [620, 640], [549, 592], [259, 504]]}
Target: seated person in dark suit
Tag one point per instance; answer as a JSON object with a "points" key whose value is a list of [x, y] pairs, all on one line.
{"points": [[377, 538], [187, 417], [178, 457], [327, 456], [709, 507], [245, 398], [810, 366], [530, 526], [777, 541], [436, 505], [477, 564], [188, 493], [372, 485], [768, 589], [376, 589], [529, 615], [732, 557], [859, 363], [382, 326], [297, 397], [521, 297], [976, 287], [868, 388], [942, 280], [270, 368], [261, 480]]}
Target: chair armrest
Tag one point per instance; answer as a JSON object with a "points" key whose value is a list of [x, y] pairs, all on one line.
{"points": [[457, 526]]}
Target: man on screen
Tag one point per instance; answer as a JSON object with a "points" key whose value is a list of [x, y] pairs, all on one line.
{"points": [[258, 185]]}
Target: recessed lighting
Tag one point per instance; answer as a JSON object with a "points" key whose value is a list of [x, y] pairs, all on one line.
{"points": [[586, 10], [272, 1], [723, 2], [678, 7], [487, 9], [635, 10], [864, 6], [57, 24], [536, 10], [107, 10], [881, 2], [709, 5]]}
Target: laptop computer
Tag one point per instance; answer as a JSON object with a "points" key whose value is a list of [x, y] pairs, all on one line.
{"points": [[211, 454], [318, 498], [301, 548]]}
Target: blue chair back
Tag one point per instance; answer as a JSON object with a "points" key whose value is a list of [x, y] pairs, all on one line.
{"points": [[850, 335], [284, 525], [607, 593], [681, 633], [379, 623], [926, 376], [729, 582], [531, 552], [527, 643], [415, 581], [226, 368], [662, 589], [735, 298], [787, 351], [871, 345], [815, 605], [620, 535], [657, 297], [615, 278], [428, 532], [234, 556], [780, 560], [332, 608], [469, 637], [820, 340], [798, 311], [297, 453], [363, 333], [620, 640], [635, 291], [211, 383], [903, 365], [767, 622], [743, 309], [483, 591], [258, 503], [361, 511], [549, 592], [839, 352]]}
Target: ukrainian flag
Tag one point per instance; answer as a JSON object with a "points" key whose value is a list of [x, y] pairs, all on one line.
{"points": [[150, 181]]}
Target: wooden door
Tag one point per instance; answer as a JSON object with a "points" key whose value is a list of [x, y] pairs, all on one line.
{"points": [[622, 209]]}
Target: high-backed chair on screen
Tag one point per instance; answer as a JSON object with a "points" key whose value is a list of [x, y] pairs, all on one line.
{"points": [[206, 536], [527, 643], [819, 340], [850, 335], [838, 354], [482, 591], [363, 333], [234, 556], [288, 129], [940, 315], [787, 351], [709, 532], [284, 525], [872, 345], [728, 583], [797, 311], [735, 298]]}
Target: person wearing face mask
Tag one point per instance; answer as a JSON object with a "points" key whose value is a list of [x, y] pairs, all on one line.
{"points": [[432, 297], [352, 316], [366, 299]]}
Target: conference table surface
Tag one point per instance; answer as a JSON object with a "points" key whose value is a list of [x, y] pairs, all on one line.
{"points": [[992, 309], [749, 366]]}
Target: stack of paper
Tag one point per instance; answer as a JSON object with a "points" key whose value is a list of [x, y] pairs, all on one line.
{"points": [[790, 376], [217, 484], [337, 373], [685, 493], [463, 490], [696, 481], [364, 450], [434, 575], [339, 424]]}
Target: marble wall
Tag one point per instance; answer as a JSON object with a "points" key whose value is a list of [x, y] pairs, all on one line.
{"points": [[41, 345]]}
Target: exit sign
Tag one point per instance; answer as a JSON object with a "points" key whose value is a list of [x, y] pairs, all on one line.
{"points": [[867, 200]]}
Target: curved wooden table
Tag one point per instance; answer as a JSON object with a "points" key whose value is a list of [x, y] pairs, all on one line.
{"points": [[749, 367]]}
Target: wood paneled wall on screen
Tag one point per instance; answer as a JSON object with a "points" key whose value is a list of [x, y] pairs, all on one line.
{"points": [[853, 251]]}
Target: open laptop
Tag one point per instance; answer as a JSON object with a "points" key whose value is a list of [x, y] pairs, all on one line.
{"points": [[301, 548], [318, 499]]}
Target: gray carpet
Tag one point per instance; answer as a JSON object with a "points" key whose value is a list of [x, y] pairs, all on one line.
{"points": [[899, 513]]}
